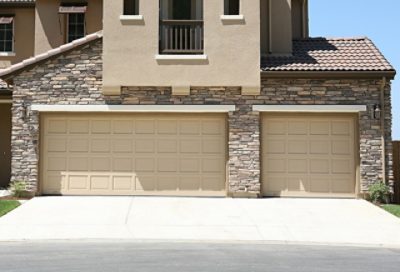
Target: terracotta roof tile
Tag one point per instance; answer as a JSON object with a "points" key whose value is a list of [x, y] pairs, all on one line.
{"points": [[322, 54]]}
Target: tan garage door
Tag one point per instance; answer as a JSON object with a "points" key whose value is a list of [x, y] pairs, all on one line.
{"points": [[308, 155], [133, 154]]}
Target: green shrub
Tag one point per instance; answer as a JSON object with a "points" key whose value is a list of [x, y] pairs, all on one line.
{"points": [[17, 188], [379, 193]]}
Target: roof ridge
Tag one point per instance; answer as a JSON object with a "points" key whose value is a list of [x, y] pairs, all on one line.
{"points": [[51, 53]]}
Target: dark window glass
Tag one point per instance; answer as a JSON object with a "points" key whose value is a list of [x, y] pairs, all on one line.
{"points": [[131, 7], [232, 7], [76, 26], [6, 37], [182, 9]]}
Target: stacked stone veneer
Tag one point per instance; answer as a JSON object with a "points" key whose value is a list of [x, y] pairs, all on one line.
{"points": [[76, 78]]}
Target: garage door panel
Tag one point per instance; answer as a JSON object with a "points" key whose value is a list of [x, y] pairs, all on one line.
{"points": [[78, 126], [168, 164], [189, 165], [78, 145], [276, 184], [297, 147], [100, 182], [57, 145], [319, 128], [100, 164], [128, 154], [122, 164], [145, 127], [190, 146], [315, 156], [212, 127], [190, 183], [167, 183], [298, 183], [212, 183], [320, 184], [297, 166], [275, 146], [276, 127], [56, 163], [167, 146], [78, 164], [341, 128], [122, 145], [57, 126], [319, 147], [78, 182], [341, 147], [320, 166], [100, 145], [123, 183], [145, 146], [342, 166], [101, 127], [167, 127], [145, 183], [189, 127], [122, 127]]}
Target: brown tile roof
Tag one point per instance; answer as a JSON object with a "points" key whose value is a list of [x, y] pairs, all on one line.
{"points": [[49, 54], [338, 55]]}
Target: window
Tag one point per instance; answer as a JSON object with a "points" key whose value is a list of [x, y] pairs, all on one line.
{"points": [[76, 26], [232, 7], [6, 34], [131, 7]]}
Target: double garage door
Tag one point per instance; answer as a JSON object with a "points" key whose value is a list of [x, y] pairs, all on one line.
{"points": [[186, 154], [134, 154]]}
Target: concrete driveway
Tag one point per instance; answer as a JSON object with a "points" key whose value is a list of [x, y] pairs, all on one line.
{"points": [[325, 221]]}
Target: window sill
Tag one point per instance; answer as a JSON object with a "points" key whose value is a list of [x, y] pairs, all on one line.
{"points": [[128, 18], [181, 57], [7, 54], [232, 18]]}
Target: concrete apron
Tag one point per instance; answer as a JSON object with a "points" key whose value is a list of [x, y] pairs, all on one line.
{"points": [[304, 221]]}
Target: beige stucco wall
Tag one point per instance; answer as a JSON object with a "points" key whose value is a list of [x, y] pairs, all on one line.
{"points": [[50, 26], [281, 21], [24, 26], [233, 50]]}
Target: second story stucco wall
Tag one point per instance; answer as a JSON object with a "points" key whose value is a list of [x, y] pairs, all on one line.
{"points": [[232, 49], [24, 29], [50, 25]]}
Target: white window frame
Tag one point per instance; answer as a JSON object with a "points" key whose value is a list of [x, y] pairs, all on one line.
{"points": [[12, 52]]}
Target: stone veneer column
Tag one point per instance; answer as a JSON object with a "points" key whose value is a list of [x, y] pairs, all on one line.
{"points": [[244, 152]]}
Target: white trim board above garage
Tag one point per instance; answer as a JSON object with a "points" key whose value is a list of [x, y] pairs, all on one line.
{"points": [[135, 108], [310, 108]]}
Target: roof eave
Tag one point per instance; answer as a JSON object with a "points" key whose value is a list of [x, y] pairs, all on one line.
{"points": [[389, 74]]}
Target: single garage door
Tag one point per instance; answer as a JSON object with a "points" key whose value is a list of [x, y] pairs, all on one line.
{"points": [[134, 154], [308, 155]]}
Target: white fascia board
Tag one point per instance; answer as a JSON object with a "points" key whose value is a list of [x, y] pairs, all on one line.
{"points": [[310, 108], [135, 108]]}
